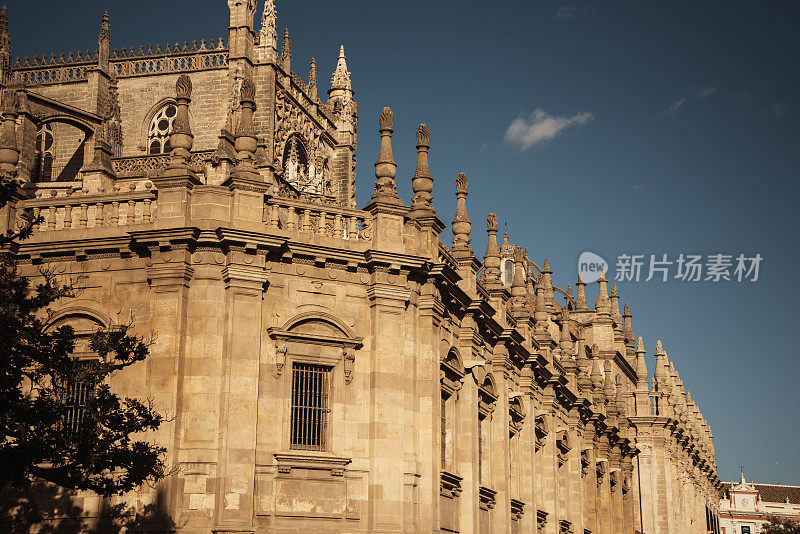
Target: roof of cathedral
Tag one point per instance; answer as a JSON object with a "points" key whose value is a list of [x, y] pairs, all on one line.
{"points": [[773, 492]]}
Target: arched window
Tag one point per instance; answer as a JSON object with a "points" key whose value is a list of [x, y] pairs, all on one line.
{"points": [[45, 149], [75, 392], [319, 351], [160, 129], [452, 373]]}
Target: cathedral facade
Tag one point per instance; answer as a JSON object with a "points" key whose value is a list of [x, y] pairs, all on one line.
{"points": [[324, 367]]}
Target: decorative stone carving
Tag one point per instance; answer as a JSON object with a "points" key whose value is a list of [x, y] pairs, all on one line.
{"points": [[280, 357]]}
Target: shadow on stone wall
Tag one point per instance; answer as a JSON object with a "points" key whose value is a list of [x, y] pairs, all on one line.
{"points": [[48, 509]]}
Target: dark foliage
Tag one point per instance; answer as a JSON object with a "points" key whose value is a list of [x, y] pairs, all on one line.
{"points": [[105, 452], [780, 526]]}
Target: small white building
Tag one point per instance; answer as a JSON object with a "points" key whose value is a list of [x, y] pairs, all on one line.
{"points": [[745, 506]]}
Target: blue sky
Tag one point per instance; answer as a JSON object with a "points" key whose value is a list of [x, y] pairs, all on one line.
{"points": [[616, 127]]}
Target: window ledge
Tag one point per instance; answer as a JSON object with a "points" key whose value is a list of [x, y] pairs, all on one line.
{"points": [[289, 460]]}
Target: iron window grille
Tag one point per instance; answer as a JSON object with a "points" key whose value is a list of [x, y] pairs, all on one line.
{"points": [[310, 406], [77, 395]]}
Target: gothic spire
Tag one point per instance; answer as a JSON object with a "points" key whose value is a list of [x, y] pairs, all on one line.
{"points": [[385, 167], [491, 260], [341, 76], [603, 304], [641, 367], [5, 47], [269, 33], [660, 371], [286, 53], [547, 281], [422, 183], [461, 225], [5, 39], [615, 315], [312, 79], [518, 291], [580, 302], [104, 43], [627, 328]]}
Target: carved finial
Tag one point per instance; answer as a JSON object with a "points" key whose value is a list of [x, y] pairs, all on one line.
{"points": [[422, 184], [9, 150], [627, 312], [491, 260], [659, 347], [386, 120], [640, 345], [385, 167], [491, 223], [614, 291], [181, 138], [246, 142], [461, 224], [462, 182], [183, 87], [546, 266], [248, 91]]}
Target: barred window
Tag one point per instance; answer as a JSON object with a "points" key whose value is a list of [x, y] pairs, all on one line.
{"points": [[310, 406], [76, 396], [160, 130]]}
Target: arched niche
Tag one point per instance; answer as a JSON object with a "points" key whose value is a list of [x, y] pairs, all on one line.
{"points": [[516, 415], [315, 337], [452, 371]]}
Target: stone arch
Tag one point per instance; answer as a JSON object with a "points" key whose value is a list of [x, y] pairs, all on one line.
{"points": [[78, 311], [70, 147], [77, 122], [317, 322], [85, 321]]}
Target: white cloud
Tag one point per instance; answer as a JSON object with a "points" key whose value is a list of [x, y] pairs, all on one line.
{"points": [[779, 109], [566, 11], [704, 91], [537, 127], [700, 92], [675, 106]]}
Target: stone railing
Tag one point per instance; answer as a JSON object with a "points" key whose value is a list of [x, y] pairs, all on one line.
{"points": [[153, 165], [124, 63], [317, 219], [60, 210], [39, 75], [186, 58]]}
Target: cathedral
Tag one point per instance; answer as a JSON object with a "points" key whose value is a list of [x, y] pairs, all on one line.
{"points": [[327, 367]]}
